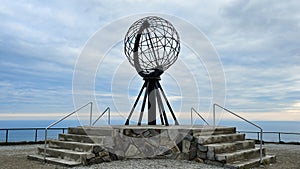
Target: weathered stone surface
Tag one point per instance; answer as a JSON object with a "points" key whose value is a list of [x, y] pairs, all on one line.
{"points": [[186, 146], [97, 149], [173, 133], [216, 163], [202, 148], [95, 160], [103, 154], [148, 150], [199, 160], [132, 151], [188, 137], [119, 153], [193, 153], [175, 149], [109, 142], [172, 156], [210, 155], [183, 156], [201, 155], [121, 143]]}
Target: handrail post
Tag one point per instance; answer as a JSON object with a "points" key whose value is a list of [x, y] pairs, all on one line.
{"points": [[214, 115], [108, 116], [191, 116], [45, 145], [6, 136], [279, 137], [36, 133], [261, 135], [91, 113]]}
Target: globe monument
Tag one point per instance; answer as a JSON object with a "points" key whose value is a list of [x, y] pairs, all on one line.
{"points": [[152, 45]]}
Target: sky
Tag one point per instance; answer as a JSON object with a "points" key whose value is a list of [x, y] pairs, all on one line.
{"points": [[257, 42]]}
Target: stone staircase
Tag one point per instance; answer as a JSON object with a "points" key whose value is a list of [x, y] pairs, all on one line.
{"points": [[231, 151], [79, 147], [220, 146]]}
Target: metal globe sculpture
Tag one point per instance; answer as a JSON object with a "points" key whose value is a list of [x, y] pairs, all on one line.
{"points": [[152, 45]]}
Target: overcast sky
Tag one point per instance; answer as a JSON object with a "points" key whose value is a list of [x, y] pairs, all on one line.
{"points": [[257, 42]]}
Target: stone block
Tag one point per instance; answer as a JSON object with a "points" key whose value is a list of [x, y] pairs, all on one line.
{"points": [[201, 154], [198, 160], [132, 151], [202, 148], [215, 163], [119, 153], [186, 146], [188, 137], [211, 155], [173, 133], [183, 156], [103, 154], [148, 150], [193, 153]]}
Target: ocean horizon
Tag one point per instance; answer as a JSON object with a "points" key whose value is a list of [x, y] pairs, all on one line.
{"points": [[29, 135]]}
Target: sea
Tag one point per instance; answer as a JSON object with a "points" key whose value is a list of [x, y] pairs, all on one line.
{"points": [[29, 135]]}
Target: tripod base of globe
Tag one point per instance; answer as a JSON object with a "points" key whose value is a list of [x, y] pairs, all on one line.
{"points": [[154, 96]]}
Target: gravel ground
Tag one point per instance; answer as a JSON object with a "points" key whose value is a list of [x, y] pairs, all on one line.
{"points": [[15, 157]]}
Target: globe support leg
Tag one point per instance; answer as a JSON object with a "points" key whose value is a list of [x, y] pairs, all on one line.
{"points": [[163, 115], [168, 104], [135, 104], [143, 105]]}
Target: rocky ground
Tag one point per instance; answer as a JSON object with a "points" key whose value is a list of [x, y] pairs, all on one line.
{"points": [[15, 157]]}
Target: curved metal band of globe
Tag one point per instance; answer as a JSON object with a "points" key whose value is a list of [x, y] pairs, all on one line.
{"points": [[153, 93], [157, 71]]}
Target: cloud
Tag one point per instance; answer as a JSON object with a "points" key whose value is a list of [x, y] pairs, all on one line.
{"points": [[257, 41]]}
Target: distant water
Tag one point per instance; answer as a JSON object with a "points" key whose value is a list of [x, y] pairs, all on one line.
{"points": [[269, 126], [23, 135]]}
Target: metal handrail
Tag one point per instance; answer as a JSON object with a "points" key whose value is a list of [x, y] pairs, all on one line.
{"points": [[271, 132], [21, 129], [63, 118], [261, 130], [192, 109], [107, 109]]}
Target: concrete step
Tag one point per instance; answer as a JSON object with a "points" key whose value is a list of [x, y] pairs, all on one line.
{"points": [[82, 138], [91, 131], [68, 155], [105, 141], [209, 130], [239, 155], [230, 147], [54, 160], [222, 138], [75, 146], [250, 163]]}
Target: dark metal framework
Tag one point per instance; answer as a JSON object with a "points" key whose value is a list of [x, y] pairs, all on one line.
{"points": [[152, 45], [154, 93]]}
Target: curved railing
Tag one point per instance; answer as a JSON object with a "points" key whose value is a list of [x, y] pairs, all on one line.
{"points": [[63, 118], [108, 117], [68, 115], [261, 130], [193, 110]]}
